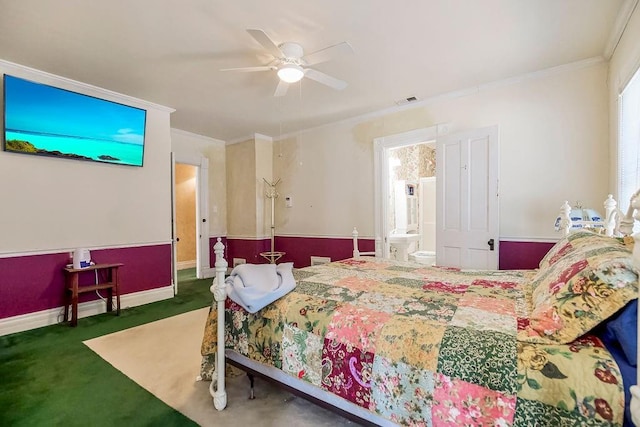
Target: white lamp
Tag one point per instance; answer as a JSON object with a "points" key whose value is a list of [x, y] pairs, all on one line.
{"points": [[290, 73]]}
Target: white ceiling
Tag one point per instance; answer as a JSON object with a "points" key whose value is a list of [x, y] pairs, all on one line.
{"points": [[169, 52]]}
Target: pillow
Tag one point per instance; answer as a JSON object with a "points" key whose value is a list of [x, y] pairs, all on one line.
{"points": [[624, 329], [560, 248], [567, 245], [584, 284]]}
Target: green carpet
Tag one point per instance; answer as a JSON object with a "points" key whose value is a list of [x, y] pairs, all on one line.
{"points": [[49, 377]]}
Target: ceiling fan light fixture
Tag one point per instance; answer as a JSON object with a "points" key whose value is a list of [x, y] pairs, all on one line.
{"points": [[290, 73]]}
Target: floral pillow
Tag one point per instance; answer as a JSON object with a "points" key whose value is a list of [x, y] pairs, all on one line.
{"points": [[587, 279], [557, 251]]}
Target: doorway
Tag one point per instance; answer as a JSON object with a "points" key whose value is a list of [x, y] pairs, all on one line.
{"points": [[185, 181], [385, 182], [199, 211], [412, 198], [467, 196]]}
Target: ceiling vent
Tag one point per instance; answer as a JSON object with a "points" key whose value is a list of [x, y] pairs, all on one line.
{"points": [[407, 100]]}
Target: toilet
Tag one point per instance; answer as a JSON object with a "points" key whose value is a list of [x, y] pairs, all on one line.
{"points": [[423, 257]]}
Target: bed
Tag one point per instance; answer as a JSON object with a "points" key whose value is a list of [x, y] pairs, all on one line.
{"points": [[393, 342]]}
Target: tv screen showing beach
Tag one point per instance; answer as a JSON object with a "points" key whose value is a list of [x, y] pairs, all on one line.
{"points": [[45, 120]]}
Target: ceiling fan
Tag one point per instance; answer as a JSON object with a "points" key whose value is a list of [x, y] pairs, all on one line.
{"points": [[292, 65]]}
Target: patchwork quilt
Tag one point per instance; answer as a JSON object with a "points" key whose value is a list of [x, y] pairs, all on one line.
{"points": [[425, 346]]}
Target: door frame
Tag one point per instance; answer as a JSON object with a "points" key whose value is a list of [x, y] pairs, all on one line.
{"points": [[381, 147], [203, 269]]}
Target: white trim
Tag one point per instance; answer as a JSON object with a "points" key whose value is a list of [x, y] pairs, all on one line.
{"points": [[243, 237], [182, 265], [530, 239], [38, 319], [251, 137], [91, 248], [362, 236], [49, 78], [624, 15], [262, 136], [381, 147], [208, 273], [196, 135], [577, 65], [622, 85]]}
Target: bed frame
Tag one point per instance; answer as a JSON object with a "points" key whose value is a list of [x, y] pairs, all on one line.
{"points": [[615, 223]]}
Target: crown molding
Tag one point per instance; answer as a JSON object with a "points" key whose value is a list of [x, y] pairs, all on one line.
{"points": [[624, 15], [52, 79], [196, 135], [546, 72]]}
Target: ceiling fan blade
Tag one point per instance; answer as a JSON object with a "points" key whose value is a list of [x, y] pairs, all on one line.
{"points": [[325, 79], [266, 42], [281, 89], [329, 53], [249, 69]]}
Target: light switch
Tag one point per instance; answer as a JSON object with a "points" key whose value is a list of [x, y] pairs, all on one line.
{"points": [[288, 201]]}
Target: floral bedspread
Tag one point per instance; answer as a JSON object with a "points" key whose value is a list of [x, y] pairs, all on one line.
{"points": [[425, 346]]}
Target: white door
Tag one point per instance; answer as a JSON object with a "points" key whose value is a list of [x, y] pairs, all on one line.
{"points": [[203, 269], [467, 199], [174, 246]]}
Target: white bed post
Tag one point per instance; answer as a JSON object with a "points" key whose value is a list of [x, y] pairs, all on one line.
{"points": [[565, 218], [356, 252], [220, 294], [609, 219]]}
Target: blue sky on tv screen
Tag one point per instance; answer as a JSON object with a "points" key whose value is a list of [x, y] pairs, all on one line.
{"points": [[38, 108]]}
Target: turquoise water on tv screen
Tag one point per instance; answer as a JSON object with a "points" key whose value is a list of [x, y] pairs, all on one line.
{"points": [[129, 154], [58, 122]]}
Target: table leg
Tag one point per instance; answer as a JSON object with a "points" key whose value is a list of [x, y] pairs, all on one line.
{"points": [[116, 280], [110, 292], [74, 300], [67, 298]]}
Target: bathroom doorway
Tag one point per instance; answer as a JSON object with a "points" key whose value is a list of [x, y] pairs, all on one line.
{"points": [[467, 196], [393, 156], [412, 197]]}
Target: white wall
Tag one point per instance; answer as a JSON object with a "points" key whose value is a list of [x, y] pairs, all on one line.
{"points": [[553, 147], [53, 204], [193, 146]]}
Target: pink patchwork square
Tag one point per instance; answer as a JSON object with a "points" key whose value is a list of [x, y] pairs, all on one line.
{"points": [[457, 403], [356, 326]]}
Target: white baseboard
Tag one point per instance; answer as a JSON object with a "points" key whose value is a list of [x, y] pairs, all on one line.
{"points": [[208, 273], [24, 322], [182, 265]]}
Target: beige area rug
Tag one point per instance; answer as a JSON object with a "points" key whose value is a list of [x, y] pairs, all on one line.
{"points": [[164, 358]]}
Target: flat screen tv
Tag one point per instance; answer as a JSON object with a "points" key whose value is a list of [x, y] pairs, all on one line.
{"points": [[44, 120]]}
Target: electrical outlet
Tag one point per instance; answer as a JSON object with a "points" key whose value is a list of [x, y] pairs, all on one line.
{"points": [[238, 261]]}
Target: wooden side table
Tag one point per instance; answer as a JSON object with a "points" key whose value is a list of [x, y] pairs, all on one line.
{"points": [[108, 273]]}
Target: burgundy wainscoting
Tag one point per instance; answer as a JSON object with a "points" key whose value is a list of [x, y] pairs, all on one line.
{"points": [[299, 250], [513, 255], [36, 282], [247, 249], [522, 255]]}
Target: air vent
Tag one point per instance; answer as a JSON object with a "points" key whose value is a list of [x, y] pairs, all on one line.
{"points": [[407, 100], [317, 260]]}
